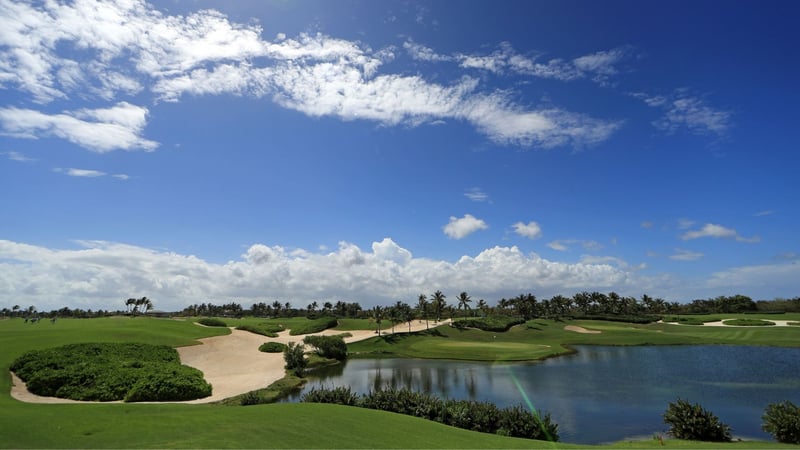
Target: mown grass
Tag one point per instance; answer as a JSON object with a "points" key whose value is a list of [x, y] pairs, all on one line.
{"points": [[24, 425]]}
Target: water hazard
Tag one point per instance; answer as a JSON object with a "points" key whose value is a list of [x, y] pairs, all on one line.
{"points": [[601, 394]]}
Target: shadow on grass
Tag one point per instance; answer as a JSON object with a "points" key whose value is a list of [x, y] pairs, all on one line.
{"points": [[397, 337]]}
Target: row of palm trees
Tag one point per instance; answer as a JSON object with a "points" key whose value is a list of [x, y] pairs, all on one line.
{"points": [[403, 312], [132, 305]]}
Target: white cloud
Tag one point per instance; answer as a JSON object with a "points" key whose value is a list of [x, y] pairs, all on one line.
{"points": [[764, 213], [99, 130], [423, 53], [564, 244], [717, 231], [683, 111], [685, 255], [530, 230], [476, 195], [558, 245], [83, 173], [459, 228], [647, 224], [18, 157], [100, 275]]}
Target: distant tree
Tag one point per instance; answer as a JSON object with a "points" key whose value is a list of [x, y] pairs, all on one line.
{"points": [[295, 358], [463, 302], [377, 315], [482, 307], [327, 307], [15, 309], [422, 308], [438, 301]]}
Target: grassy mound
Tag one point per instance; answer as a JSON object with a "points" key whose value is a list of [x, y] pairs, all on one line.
{"points": [[313, 326], [212, 322], [491, 323], [113, 371], [264, 329], [748, 323], [272, 347]]}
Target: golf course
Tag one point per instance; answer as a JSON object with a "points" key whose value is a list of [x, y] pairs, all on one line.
{"points": [[287, 425]]}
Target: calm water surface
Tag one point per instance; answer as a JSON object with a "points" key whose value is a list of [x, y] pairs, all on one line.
{"points": [[602, 394]]}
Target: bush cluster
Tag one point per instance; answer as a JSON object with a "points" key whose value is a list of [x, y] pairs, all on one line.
{"points": [[212, 322], [295, 358], [497, 324], [467, 414], [695, 423], [623, 318], [782, 421], [272, 347], [314, 326], [748, 322], [258, 329], [332, 347], [109, 372]]}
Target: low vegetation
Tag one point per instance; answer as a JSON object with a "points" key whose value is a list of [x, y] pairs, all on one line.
{"points": [[212, 322], [695, 423], [483, 417], [295, 358], [748, 322], [313, 326], [272, 347], [268, 330], [490, 323], [331, 347], [109, 372], [782, 421]]}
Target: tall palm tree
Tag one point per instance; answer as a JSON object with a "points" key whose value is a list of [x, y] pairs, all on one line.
{"points": [[482, 306], [377, 314], [463, 302], [422, 307], [438, 304]]}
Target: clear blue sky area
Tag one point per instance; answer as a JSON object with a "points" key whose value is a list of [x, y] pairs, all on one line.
{"points": [[370, 151]]}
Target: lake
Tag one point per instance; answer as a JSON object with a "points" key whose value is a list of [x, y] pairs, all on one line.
{"points": [[601, 394]]}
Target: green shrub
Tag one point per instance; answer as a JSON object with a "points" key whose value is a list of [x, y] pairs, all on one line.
{"points": [[332, 347], [338, 395], [272, 347], [295, 358], [107, 372], [625, 318], [250, 398], [314, 326], [181, 383], [693, 422], [257, 330], [212, 322], [519, 422], [782, 421], [748, 322], [491, 323]]}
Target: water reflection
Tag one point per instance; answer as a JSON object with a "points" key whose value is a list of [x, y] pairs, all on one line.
{"points": [[601, 394]]}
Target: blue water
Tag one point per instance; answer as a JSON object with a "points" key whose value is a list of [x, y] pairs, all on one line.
{"points": [[602, 394]]}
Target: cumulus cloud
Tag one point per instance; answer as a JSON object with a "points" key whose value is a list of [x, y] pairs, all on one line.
{"points": [[124, 48], [717, 231], [459, 228], [100, 274], [530, 230]]}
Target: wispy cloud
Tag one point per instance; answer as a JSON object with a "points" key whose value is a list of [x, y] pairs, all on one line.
{"points": [[717, 231], [530, 230], [16, 156], [764, 213], [99, 130], [459, 228], [88, 173], [646, 224], [564, 245], [130, 47], [684, 111], [476, 195], [685, 255]]}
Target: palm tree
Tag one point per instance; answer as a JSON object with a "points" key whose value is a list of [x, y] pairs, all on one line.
{"points": [[276, 306], [15, 308], [422, 307], [377, 314], [482, 306], [463, 302], [438, 304], [147, 303]]}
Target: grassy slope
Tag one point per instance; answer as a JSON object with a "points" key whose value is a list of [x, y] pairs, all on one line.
{"points": [[285, 425]]}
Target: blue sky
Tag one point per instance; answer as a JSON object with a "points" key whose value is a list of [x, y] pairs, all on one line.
{"points": [[193, 151]]}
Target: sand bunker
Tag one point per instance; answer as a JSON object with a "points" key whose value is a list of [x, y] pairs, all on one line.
{"points": [[231, 363], [582, 330]]}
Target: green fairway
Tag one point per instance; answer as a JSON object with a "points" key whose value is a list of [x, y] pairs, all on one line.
{"points": [[24, 425]]}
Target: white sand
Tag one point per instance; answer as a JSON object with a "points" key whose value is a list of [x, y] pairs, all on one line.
{"points": [[582, 330], [232, 363]]}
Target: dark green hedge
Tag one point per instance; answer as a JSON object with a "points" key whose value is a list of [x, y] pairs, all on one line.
{"points": [[109, 372], [491, 323], [314, 326], [272, 347], [212, 322]]}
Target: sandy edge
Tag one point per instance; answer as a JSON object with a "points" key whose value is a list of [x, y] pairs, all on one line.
{"points": [[232, 363], [581, 330], [720, 323]]}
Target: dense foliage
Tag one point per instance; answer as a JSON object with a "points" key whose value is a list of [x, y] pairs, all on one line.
{"points": [[749, 322], [332, 347], [272, 347], [490, 323], [782, 421], [107, 372], [295, 358], [467, 414], [314, 326], [695, 423], [212, 322], [267, 330]]}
